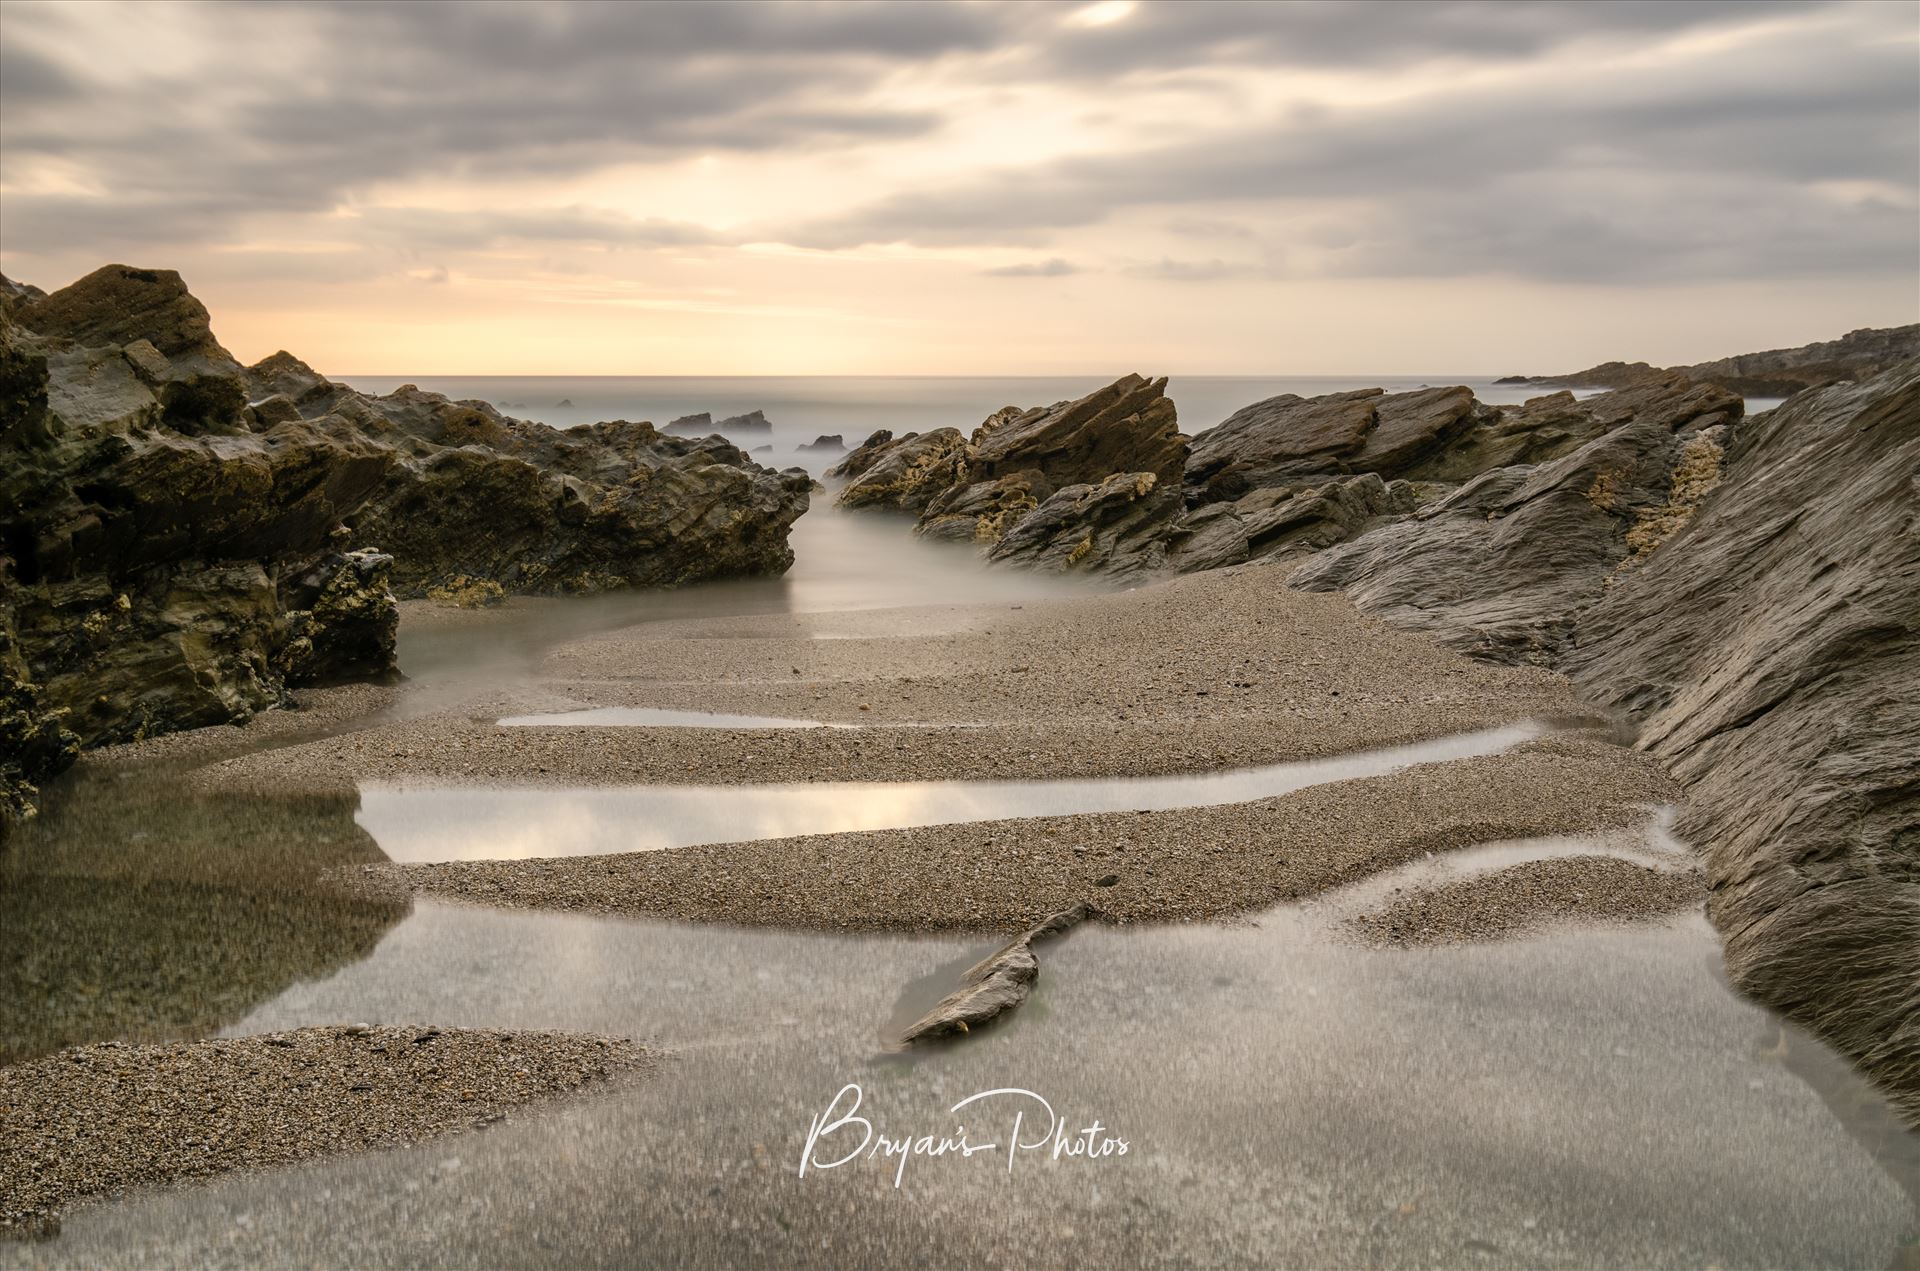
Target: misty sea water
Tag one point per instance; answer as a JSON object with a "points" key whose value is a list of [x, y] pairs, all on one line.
{"points": [[803, 407]]}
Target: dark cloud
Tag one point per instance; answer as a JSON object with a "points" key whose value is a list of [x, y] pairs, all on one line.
{"points": [[1708, 164], [1053, 268], [1708, 173], [1175, 34]]}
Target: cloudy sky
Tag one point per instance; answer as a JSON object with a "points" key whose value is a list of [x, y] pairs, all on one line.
{"points": [[987, 188]]}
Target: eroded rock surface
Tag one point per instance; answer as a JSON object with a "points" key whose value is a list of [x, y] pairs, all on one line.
{"points": [[1770, 648], [996, 984], [1504, 565], [1857, 355], [181, 537]]}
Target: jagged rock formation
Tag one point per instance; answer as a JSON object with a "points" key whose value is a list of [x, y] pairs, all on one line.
{"points": [[1288, 438], [828, 442], [1284, 519], [1770, 648], [1503, 566], [905, 475], [863, 456], [1857, 355], [176, 530], [1083, 468]]}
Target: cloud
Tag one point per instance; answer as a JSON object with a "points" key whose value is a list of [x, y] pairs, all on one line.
{"points": [[1708, 169], [1552, 141], [1053, 268]]}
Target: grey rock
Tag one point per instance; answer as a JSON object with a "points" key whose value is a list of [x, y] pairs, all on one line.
{"points": [[995, 985], [1770, 648], [829, 442], [1857, 355], [1281, 520], [1119, 527], [1503, 566]]}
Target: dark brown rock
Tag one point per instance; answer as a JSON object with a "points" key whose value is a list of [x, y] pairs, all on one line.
{"points": [[1128, 426], [909, 473]]}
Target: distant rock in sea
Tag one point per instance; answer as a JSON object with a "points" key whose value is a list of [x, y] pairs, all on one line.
{"points": [[702, 425], [565, 403], [1857, 355], [832, 442]]}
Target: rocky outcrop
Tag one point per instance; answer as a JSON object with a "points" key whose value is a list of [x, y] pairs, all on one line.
{"points": [[182, 538], [862, 456], [1282, 520], [827, 442], [1119, 527], [1503, 566], [702, 425], [1770, 648], [1857, 355], [1089, 484], [993, 986], [908, 474]]}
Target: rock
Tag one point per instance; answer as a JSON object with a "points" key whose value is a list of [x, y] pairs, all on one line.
{"points": [[595, 507], [284, 375], [1770, 648], [761, 450], [1857, 355], [909, 473], [832, 442], [347, 627], [698, 425], [1289, 439], [1119, 527], [14, 294], [862, 457], [1128, 426], [1284, 519], [752, 421], [198, 384], [1060, 459], [995, 985], [34, 740], [1503, 566], [179, 527], [565, 403], [982, 512]]}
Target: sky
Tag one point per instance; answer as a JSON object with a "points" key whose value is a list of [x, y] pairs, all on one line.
{"points": [[977, 188]]}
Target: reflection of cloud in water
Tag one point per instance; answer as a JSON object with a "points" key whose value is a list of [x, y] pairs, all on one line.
{"points": [[425, 824], [649, 717]]}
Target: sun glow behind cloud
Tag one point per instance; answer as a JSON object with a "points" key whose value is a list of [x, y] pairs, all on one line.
{"points": [[977, 188]]}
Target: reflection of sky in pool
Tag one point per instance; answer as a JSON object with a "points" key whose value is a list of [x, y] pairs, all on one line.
{"points": [[460, 823]]}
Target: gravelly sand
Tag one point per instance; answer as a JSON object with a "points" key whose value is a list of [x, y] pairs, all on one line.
{"points": [[1187, 864], [98, 1119], [1525, 897], [1213, 671]]}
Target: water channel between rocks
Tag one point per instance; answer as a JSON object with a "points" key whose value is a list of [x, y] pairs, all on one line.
{"points": [[1579, 1097]]}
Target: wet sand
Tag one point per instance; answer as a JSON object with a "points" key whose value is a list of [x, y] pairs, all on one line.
{"points": [[1194, 863], [95, 1120], [1528, 897], [1212, 671]]}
